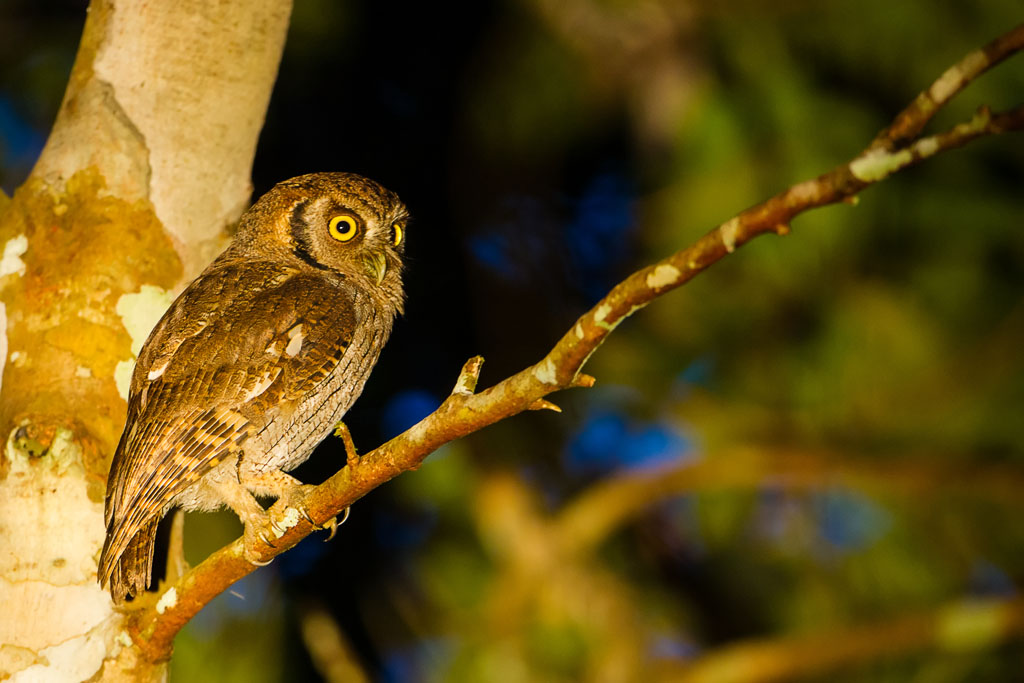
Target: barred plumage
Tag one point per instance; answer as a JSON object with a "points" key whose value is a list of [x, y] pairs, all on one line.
{"points": [[255, 362]]}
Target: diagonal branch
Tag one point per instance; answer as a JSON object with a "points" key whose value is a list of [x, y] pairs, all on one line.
{"points": [[960, 627], [600, 509], [464, 411]]}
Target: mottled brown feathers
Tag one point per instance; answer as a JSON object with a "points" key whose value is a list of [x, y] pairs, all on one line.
{"points": [[254, 363]]}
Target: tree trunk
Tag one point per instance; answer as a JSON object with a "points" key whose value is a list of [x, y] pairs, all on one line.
{"points": [[147, 166]]}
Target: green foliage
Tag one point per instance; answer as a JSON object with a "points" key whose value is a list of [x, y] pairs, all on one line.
{"points": [[882, 339], [884, 332]]}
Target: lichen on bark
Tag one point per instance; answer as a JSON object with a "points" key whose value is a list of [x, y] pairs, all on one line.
{"points": [[85, 249]]}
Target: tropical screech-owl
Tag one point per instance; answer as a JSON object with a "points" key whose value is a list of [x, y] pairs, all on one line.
{"points": [[254, 363]]}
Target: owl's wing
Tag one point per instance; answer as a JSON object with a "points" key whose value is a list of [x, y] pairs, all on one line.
{"points": [[223, 355]]}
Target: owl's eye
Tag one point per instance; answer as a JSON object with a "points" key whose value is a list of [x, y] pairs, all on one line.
{"points": [[397, 232], [343, 228]]}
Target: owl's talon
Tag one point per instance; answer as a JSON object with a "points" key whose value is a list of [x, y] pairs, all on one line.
{"points": [[332, 527], [266, 538], [252, 560], [334, 523], [305, 516], [249, 541], [250, 557]]}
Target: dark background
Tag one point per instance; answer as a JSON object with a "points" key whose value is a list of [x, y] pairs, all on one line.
{"points": [[545, 150]]}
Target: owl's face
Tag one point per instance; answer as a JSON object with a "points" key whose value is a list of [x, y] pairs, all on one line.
{"points": [[335, 222]]}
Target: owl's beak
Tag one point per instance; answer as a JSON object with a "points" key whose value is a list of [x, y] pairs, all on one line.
{"points": [[376, 266]]}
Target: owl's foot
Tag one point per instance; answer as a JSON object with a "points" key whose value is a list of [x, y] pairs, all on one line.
{"points": [[290, 494], [289, 508], [268, 526], [255, 520], [265, 527], [257, 531], [293, 502]]}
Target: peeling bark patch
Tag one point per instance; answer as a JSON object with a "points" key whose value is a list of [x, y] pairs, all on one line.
{"points": [[86, 247], [167, 600], [49, 560], [663, 276], [123, 377], [954, 77], [11, 262], [64, 451], [546, 373], [946, 85], [730, 230], [78, 658], [927, 147], [287, 521], [141, 311], [877, 164], [601, 315]]}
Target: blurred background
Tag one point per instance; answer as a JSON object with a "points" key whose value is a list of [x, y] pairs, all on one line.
{"points": [[808, 462]]}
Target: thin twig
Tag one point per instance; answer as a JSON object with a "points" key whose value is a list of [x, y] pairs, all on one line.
{"points": [[909, 122]]}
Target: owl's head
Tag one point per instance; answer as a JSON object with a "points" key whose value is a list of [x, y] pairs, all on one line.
{"points": [[338, 222]]}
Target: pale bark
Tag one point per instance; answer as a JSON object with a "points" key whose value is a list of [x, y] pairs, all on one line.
{"points": [[147, 165], [167, 101]]}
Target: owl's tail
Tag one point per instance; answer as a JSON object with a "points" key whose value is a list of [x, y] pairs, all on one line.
{"points": [[129, 574]]}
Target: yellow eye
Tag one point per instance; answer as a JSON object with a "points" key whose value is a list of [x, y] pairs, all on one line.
{"points": [[397, 232], [343, 228]]}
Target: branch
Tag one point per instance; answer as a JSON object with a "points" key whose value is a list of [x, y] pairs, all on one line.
{"points": [[333, 656], [464, 411], [909, 122], [959, 627], [600, 509]]}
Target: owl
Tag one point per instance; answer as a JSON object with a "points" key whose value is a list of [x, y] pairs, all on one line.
{"points": [[254, 363]]}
